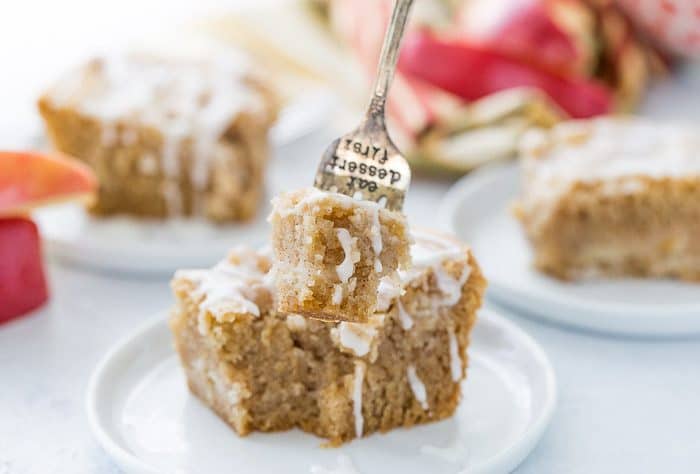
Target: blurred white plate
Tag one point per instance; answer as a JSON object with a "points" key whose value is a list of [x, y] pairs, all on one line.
{"points": [[477, 210], [148, 247], [130, 245], [302, 116], [142, 414]]}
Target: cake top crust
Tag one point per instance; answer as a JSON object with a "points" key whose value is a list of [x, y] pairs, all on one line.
{"points": [[296, 202], [234, 286], [175, 95], [609, 149]]}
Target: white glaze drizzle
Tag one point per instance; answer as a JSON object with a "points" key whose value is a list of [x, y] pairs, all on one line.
{"points": [[225, 288], [360, 369], [352, 285], [417, 387], [337, 297], [313, 196], [376, 233], [611, 148], [430, 258], [450, 287], [455, 360], [222, 284], [615, 150], [389, 289], [296, 322], [404, 318], [357, 337], [346, 269]]}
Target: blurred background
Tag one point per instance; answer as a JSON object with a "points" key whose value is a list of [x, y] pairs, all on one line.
{"points": [[473, 76], [564, 58]]}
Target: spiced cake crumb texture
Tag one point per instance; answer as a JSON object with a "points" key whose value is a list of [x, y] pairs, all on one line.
{"points": [[261, 369], [331, 252]]}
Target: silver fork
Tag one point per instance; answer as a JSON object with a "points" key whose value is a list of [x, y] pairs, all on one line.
{"points": [[365, 163]]}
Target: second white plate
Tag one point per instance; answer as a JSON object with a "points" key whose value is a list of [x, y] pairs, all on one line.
{"points": [[477, 210], [142, 414]]}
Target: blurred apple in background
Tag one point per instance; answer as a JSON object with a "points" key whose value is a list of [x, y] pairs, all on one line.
{"points": [[473, 75], [568, 59], [28, 180]]}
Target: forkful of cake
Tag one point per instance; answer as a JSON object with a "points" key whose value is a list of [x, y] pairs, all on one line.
{"points": [[338, 246]]}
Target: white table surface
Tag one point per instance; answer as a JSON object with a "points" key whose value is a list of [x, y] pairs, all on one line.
{"points": [[625, 405]]}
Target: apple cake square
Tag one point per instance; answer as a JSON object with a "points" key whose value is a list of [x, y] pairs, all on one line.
{"points": [[261, 369], [166, 137], [613, 197]]}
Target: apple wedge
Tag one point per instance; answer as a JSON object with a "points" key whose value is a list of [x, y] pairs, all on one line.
{"points": [[31, 179]]}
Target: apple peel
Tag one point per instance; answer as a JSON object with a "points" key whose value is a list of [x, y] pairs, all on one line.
{"points": [[32, 179]]}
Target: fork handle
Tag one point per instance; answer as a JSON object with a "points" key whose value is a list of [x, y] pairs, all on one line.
{"points": [[388, 58]]}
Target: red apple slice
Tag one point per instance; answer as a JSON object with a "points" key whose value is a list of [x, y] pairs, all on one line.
{"points": [[31, 179], [22, 283]]}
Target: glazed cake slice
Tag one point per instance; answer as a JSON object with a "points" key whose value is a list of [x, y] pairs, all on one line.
{"points": [[166, 137], [264, 370], [613, 197], [331, 251]]}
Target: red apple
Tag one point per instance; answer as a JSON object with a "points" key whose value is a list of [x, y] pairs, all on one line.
{"points": [[534, 31], [22, 283], [471, 72]]}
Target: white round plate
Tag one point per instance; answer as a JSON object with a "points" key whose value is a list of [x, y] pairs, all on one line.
{"points": [[144, 417], [130, 245], [477, 210]]}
